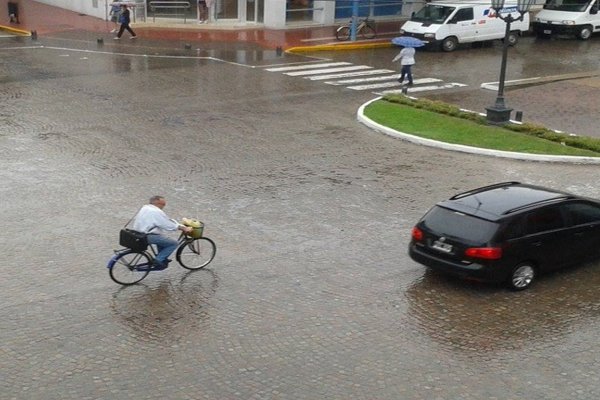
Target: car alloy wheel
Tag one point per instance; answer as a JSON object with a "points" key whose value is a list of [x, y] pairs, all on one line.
{"points": [[522, 276]]}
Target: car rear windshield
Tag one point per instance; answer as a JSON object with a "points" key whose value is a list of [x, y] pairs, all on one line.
{"points": [[458, 225]]}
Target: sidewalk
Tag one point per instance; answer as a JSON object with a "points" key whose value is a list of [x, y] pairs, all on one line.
{"points": [[45, 19]]}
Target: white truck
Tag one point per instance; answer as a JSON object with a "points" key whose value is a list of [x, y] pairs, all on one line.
{"points": [[448, 24], [568, 17]]}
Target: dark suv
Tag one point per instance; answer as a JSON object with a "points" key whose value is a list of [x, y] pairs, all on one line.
{"points": [[507, 232]]}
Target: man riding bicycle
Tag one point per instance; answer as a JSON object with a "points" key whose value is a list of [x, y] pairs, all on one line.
{"points": [[152, 220]]}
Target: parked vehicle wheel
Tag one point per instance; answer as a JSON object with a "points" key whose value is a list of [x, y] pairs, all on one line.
{"points": [[368, 32], [585, 32], [522, 276], [343, 33], [449, 44], [513, 38]]}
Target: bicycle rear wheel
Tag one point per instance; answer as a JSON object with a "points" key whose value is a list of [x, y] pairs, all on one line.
{"points": [[123, 268], [368, 32], [197, 253], [342, 33]]}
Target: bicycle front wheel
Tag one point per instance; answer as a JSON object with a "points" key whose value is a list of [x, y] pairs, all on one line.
{"points": [[197, 253], [368, 32], [129, 267], [343, 33]]}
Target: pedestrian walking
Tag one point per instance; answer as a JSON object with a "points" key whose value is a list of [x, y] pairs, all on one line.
{"points": [[115, 12], [124, 20], [407, 60], [13, 12], [202, 12]]}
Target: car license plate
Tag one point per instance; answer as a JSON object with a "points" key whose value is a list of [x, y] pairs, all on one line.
{"points": [[547, 32], [441, 246]]}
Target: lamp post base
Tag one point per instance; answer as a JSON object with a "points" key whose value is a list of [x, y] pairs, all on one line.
{"points": [[498, 115]]}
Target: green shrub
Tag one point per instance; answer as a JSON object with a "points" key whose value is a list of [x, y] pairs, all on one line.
{"points": [[580, 142]]}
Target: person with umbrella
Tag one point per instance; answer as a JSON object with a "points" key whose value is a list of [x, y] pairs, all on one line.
{"points": [[406, 56]]}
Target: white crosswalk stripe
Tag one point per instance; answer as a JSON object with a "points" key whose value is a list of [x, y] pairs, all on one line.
{"points": [[391, 84], [381, 78], [425, 88], [307, 66], [351, 74], [360, 77], [328, 70]]}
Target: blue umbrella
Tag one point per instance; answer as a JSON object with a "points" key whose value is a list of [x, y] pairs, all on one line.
{"points": [[408, 41]]}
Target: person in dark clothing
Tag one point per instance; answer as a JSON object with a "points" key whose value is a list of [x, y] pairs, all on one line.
{"points": [[124, 20]]}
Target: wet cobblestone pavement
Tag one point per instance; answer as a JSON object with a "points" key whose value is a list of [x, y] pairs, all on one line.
{"points": [[311, 295]]}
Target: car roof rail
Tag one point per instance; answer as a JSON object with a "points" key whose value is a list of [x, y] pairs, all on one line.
{"points": [[483, 189], [537, 203]]}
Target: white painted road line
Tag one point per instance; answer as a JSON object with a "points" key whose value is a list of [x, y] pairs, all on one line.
{"points": [[425, 88], [307, 66], [328, 70], [390, 84], [350, 74], [361, 80], [383, 78]]}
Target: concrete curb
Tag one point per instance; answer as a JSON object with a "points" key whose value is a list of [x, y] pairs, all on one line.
{"points": [[14, 30], [468, 149], [338, 46]]}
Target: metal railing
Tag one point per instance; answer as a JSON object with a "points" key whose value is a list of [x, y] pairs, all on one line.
{"points": [[169, 5]]}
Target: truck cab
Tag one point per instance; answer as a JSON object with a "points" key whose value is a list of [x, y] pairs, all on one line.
{"points": [[568, 17]]}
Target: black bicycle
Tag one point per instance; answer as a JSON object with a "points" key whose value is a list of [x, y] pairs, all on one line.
{"points": [[128, 266]]}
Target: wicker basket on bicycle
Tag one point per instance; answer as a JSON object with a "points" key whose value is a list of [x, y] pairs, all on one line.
{"points": [[197, 227]]}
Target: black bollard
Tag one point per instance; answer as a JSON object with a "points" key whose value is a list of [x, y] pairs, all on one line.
{"points": [[100, 41], [187, 46], [519, 116], [33, 35], [279, 51]]}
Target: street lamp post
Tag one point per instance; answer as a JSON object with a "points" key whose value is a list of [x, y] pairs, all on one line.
{"points": [[499, 113]]}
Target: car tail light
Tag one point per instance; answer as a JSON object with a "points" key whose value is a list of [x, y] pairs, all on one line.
{"points": [[417, 234], [487, 253]]}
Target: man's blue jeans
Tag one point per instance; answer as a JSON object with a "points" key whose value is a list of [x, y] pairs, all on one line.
{"points": [[405, 71], [165, 245]]}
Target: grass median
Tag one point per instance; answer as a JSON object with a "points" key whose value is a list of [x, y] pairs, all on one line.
{"points": [[446, 123]]}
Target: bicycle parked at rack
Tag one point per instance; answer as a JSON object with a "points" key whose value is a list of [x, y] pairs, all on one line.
{"points": [[365, 28], [194, 252]]}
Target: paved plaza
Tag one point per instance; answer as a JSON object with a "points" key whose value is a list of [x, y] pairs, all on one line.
{"points": [[311, 294]]}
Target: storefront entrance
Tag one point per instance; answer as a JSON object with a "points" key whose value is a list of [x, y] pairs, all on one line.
{"points": [[255, 10]]}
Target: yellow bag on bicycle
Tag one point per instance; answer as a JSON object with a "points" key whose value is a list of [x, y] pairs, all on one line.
{"points": [[197, 226]]}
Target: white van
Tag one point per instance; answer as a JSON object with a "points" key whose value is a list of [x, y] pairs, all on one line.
{"points": [[569, 17], [449, 24]]}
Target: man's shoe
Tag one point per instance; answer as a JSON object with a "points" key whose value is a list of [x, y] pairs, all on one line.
{"points": [[116, 38], [133, 37], [157, 265]]}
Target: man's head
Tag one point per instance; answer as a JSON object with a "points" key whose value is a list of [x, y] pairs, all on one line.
{"points": [[158, 201]]}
